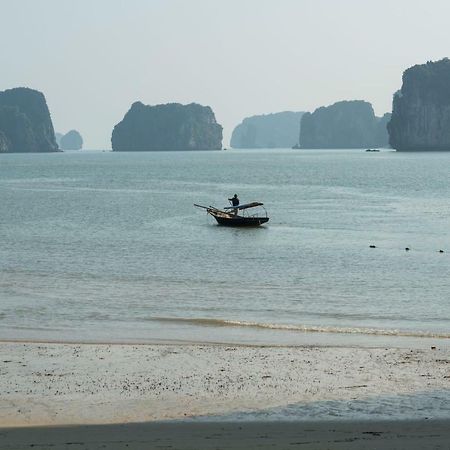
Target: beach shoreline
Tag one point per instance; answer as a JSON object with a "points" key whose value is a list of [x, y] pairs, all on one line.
{"points": [[48, 384], [257, 337]]}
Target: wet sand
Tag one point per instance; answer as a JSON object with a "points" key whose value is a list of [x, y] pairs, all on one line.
{"points": [[398, 435]]}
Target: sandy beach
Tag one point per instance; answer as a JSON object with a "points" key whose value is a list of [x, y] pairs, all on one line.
{"points": [[48, 384]]}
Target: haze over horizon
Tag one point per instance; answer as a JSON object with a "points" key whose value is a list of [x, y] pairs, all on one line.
{"points": [[92, 60]]}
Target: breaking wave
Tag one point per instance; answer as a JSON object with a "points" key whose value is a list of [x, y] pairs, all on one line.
{"points": [[302, 328]]}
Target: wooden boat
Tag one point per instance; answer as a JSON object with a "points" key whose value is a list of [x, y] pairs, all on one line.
{"points": [[249, 215]]}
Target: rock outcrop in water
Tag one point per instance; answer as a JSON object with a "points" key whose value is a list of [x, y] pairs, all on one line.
{"points": [[346, 124], [25, 123], [72, 140], [278, 130], [421, 109], [167, 127]]}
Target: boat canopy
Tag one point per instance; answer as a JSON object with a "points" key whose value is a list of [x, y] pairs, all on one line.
{"points": [[247, 205]]}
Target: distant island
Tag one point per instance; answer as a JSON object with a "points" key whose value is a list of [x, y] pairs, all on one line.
{"points": [[25, 123], [167, 127], [72, 140], [58, 137], [277, 130], [345, 124], [421, 109]]}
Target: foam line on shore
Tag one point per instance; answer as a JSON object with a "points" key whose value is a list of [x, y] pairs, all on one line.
{"points": [[302, 328]]}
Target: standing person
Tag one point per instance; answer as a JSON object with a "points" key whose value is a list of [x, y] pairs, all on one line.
{"points": [[235, 202]]}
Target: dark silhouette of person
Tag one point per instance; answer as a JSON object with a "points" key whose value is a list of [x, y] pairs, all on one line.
{"points": [[235, 202]]}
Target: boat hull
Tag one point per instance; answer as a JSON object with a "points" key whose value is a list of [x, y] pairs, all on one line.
{"points": [[240, 221]]}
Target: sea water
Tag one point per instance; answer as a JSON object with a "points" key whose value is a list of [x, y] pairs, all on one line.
{"points": [[104, 246], [425, 405]]}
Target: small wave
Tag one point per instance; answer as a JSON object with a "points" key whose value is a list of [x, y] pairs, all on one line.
{"points": [[303, 328], [97, 315], [39, 180]]}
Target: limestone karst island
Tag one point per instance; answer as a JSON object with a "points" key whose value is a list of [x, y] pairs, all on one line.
{"points": [[345, 124], [72, 140], [25, 123], [167, 127], [421, 109], [420, 121], [278, 130]]}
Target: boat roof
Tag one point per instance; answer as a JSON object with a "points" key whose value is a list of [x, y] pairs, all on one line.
{"points": [[247, 205]]}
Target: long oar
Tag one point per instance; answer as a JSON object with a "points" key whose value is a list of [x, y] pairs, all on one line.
{"points": [[207, 207]]}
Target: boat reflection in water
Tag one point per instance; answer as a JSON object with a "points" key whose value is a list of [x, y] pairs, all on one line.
{"points": [[249, 215]]}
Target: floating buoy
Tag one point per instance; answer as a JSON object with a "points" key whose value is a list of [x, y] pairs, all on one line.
{"points": [[407, 249]]}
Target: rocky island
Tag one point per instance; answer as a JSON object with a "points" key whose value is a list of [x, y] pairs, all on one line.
{"points": [[72, 140], [25, 123], [345, 124], [277, 130], [421, 109], [167, 127]]}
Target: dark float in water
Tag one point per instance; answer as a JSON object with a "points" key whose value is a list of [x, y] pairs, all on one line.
{"points": [[248, 215]]}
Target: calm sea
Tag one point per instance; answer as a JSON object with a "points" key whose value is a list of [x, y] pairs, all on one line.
{"points": [[102, 246]]}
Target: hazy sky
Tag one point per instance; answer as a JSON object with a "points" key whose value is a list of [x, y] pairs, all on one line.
{"points": [[93, 58]]}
